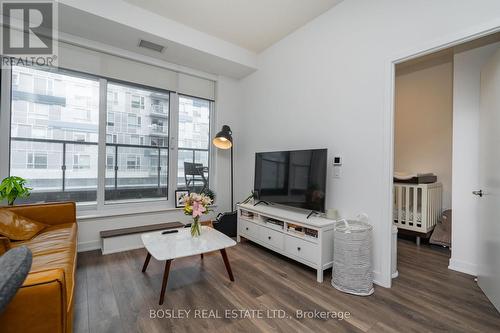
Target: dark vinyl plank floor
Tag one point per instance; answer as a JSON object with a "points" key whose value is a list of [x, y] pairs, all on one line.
{"points": [[113, 295]]}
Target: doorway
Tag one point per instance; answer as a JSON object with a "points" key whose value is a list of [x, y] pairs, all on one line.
{"points": [[436, 131]]}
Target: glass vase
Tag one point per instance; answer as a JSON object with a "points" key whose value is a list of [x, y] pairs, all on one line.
{"points": [[196, 227]]}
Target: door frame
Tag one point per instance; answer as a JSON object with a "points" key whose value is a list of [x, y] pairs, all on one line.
{"points": [[461, 37]]}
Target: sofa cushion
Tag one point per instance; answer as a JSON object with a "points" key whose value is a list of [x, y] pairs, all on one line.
{"points": [[17, 227], [55, 247]]}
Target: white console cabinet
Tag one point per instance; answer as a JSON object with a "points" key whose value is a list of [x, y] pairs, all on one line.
{"points": [[290, 233]]}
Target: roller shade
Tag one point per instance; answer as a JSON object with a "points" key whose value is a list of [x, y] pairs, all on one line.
{"points": [[113, 67], [195, 86]]}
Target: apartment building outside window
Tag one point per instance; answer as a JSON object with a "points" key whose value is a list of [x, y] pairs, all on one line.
{"points": [[55, 137], [194, 143]]}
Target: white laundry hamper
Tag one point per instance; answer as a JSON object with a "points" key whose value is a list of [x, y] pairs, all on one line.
{"points": [[352, 270]]}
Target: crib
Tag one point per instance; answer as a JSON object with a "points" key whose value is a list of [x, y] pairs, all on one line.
{"points": [[417, 207]]}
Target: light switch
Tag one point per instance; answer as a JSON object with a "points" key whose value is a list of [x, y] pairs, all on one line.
{"points": [[337, 166], [337, 171]]}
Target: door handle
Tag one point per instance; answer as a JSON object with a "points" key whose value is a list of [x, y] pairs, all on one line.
{"points": [[478, 193]]}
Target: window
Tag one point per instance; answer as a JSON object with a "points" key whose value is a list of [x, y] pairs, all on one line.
{"points": [[55, 138], [81, 161], [194, 143], [137, 102], [133, 162], [110, 119], [137, 142], [110, 162], [36, 161], [157, 106], [60, 151], [43, 85], [133, 122]]}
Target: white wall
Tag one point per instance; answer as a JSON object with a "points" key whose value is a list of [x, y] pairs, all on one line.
{"points": [[228, 96], [423, 121], [325, 86], [466, 96]]}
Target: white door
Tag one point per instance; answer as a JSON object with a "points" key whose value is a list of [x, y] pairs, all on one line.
{"points": [[489, 168]]}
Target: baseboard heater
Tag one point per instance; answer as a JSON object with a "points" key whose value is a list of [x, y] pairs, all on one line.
{"points": [[124, 239]]}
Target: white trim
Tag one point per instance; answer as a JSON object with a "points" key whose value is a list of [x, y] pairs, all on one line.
{"points": [[463, 267], [101, 150], [121, 209], [211, 149], [173, 145], [88, 246], [388, 123], [5, 121]]}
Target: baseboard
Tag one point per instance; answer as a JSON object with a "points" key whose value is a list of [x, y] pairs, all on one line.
{"points": [[463, 267], [122, 249], [89, 246]]}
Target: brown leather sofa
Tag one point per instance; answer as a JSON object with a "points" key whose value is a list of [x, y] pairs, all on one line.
{"points": [[44, 303]]}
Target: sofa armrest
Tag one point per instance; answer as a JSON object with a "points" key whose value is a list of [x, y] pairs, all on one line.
{"points": [[39, 305], [48, 213], [4, 245]]}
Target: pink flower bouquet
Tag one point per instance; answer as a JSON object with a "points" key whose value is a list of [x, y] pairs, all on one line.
{"points": [[196, 205]]}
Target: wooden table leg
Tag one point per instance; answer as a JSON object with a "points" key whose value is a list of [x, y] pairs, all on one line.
{"points": [[165, 280], [226, 262], [202, 256], [146, 262]]}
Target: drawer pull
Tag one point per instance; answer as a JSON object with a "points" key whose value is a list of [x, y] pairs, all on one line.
{"points": [[269, 237], [298, 248], [246, 228]]}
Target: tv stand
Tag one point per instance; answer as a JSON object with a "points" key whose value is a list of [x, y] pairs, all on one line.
{"points": [[288, 232], [261, 201]]}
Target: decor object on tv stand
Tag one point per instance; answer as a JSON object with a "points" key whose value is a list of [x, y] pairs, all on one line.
{"points": [[196, 205], [13, 187], [226, 222], [179, 198]]}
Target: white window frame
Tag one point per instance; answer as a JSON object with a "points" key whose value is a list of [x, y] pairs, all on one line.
{"points": [[122, 207]]}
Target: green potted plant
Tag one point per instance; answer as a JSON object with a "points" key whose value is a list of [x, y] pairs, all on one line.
{"points": [[14, 187], [209, 193]]}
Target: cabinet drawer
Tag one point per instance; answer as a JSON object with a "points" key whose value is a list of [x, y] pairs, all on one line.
{"points": [[302, 249], [272, 237], [250, 229]]}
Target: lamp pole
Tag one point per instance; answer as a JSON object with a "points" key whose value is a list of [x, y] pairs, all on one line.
{"points": [[232, 203]]}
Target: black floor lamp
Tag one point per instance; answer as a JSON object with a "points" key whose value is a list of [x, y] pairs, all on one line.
{"points": [[226, 222], [224, 140]]}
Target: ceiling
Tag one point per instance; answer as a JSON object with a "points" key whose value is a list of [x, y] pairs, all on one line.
{"points": [[251, 24]]}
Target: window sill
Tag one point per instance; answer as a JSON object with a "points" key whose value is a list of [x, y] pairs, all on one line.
{"points": [[90, 211]]}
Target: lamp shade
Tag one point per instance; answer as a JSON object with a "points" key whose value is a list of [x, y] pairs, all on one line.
{"points": [[224, 139]]}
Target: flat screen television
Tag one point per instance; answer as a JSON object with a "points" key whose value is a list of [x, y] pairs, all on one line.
{"points": [[294, 178]]}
